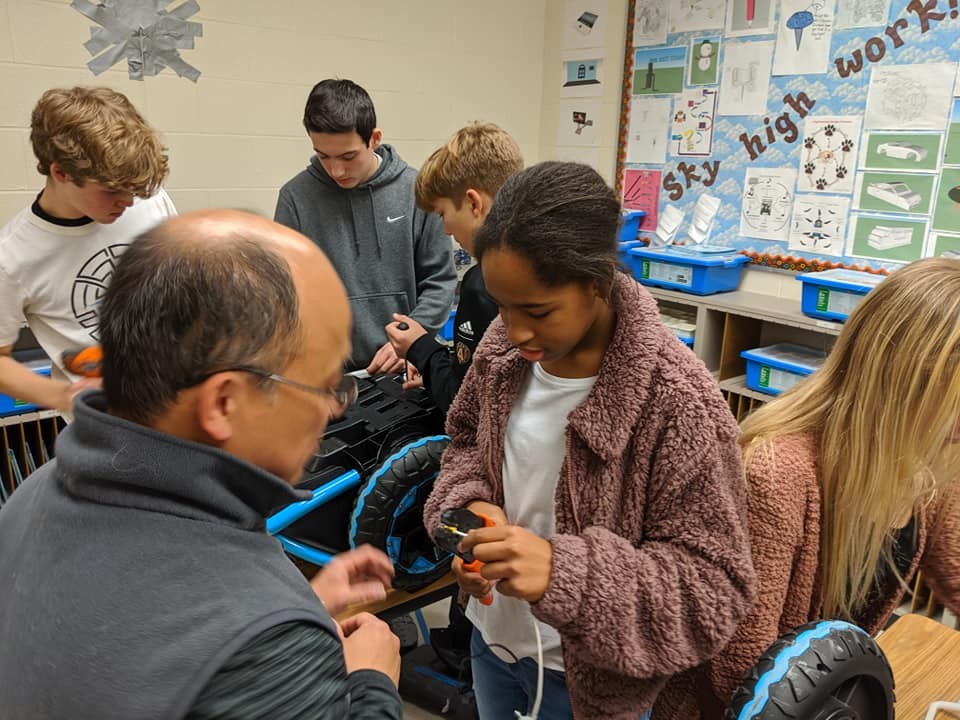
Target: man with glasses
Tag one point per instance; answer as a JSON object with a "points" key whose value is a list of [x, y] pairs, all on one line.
{"points": [[138, 578]]}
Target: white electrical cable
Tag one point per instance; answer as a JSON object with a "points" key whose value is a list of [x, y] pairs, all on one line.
{"points": [[936, 707], [536, 703]]}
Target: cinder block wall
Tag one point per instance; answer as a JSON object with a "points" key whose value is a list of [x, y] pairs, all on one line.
{"points": [[235, 137]]}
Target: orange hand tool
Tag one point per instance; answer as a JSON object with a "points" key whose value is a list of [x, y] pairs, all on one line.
{"points": [[86, 362], [454, 526]]}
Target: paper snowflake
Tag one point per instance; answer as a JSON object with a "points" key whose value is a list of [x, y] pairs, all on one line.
{"points": [[144, 33]]}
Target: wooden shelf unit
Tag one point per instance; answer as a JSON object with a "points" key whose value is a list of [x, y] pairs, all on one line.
{"points": [[26, 442], [728, 323]]}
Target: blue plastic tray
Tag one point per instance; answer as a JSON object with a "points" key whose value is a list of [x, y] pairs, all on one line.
{"points": [[779, 367], [13, 406], [833, 294], [686, 269], [630, 224]]}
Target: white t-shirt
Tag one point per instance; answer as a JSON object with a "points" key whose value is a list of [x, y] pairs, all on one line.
{"points": [[533, 452], [52, 276]]}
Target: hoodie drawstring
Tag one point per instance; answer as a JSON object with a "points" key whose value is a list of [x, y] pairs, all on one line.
{"points": [[376, 223], [358, 222]]}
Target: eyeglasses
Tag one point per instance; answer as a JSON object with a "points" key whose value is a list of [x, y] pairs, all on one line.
{"points": [[344, 392]]}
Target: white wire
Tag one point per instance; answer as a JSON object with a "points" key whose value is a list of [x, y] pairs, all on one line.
{"points": [[941, 706], [536, 703]]}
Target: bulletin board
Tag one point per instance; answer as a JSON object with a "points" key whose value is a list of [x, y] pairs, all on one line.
{"points": [[829, 130]]}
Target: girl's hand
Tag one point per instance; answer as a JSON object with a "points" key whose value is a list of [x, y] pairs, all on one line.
{"points": [[494, 512], [517, 560], [470, 582]]}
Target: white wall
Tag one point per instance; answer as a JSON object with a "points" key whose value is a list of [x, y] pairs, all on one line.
{"points": [[235, 137], [603, 157]]}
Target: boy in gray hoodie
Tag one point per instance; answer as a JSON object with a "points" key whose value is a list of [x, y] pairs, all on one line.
{"points": [[356, 201]]}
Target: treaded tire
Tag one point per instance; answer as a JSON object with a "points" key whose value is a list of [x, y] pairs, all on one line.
{"points": [[824, 670], [389, 507]]}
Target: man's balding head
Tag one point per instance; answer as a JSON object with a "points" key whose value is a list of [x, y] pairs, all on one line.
{"points": [[212, 290]]}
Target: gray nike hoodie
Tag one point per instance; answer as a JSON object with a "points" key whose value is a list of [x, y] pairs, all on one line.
{"points": [[390, 255]]}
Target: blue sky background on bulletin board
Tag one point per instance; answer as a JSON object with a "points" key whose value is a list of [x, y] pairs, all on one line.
{"points": [[833, 96]]}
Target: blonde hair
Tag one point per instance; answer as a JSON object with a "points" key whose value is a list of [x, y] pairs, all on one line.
{"points": [[95, 133], [480, 156], [883, 410]]}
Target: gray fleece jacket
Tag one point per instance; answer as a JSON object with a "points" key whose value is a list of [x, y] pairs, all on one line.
{"points": [[135, 565], [390, 255], [651, 568]]}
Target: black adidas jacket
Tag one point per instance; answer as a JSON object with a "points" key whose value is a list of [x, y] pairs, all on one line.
{"points": [[443, 368]]}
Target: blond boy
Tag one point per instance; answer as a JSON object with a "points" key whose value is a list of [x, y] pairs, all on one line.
{"points": [[103, 166], [458, 182]]}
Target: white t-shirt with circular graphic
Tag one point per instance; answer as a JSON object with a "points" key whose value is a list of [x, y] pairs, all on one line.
{"points": [[52, 276]]}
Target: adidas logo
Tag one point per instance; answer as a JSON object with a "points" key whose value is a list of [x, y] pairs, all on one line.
{"points": [[466, 328]]}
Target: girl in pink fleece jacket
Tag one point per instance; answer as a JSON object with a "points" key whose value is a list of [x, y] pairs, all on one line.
{"points": [[606, 455], [852, 480]]}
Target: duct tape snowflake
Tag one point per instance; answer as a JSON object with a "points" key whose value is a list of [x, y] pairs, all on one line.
{"points": [[143, 33]]}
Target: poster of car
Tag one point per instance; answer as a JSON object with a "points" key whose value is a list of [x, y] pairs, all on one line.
{"points": [[946, 213], [910, 152], [894, 193], [886, 238], [951, 153], [943, 245]]}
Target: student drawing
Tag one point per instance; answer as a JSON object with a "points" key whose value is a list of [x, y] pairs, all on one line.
{"points": [[904, 99], [580, 120], [744, 78], [828, 157], [798, 22], [687, 15], [767, 202], [585, 22], [862, 13], [750, 17], [817, 228], [650, 18]]}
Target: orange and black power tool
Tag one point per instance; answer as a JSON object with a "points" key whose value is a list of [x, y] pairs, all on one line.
{"points": [[87, 362], [454, 526]]}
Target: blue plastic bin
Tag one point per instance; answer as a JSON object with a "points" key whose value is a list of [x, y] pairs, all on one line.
{"points": [[687, 270], [12, 406], [630, 224], [779, 367], [624, 248], [833, 294], [684, 327]]}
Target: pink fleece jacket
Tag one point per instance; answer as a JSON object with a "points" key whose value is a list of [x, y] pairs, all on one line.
{"points": [[785, 505], [651, 563]]}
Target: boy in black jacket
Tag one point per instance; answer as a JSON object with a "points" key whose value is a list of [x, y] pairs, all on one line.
{"points": [[458, 182]]}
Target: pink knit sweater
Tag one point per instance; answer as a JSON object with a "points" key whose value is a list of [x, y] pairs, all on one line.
{"points": [[785, 502], [651, 567]]}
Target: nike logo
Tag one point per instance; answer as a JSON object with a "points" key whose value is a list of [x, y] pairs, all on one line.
{"points": [[394, 219]]}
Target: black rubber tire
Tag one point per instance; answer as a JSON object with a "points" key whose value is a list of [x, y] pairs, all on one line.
{"points": [[835, 672], [405, 478]]}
